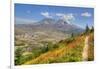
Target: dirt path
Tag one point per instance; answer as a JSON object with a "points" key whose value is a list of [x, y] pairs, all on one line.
{"points": [[85, 50]]}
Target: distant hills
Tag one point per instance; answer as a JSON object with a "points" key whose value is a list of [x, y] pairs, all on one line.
{"points": [[47, 30], [49, 24]]}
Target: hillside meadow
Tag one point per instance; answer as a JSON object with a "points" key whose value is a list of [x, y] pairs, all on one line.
{"points": [[68, 50]]}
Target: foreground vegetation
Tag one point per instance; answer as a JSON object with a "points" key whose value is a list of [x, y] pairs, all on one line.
{"points": [[68, 50]]}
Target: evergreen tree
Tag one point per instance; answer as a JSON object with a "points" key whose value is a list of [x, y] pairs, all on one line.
{"points": [[87, 29], [92, 29], [72, 35]]}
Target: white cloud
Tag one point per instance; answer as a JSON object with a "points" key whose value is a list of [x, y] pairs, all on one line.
{"points": [[67, 17], [46, 14], [86, 14]]}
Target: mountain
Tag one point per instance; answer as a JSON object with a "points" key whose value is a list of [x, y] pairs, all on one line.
{"points": [[47, 21], [48, 24], [59, 25], [51, 24], [61, 21], [47, 30]]}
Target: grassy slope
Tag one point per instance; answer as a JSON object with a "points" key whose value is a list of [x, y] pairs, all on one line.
{"points": [[68, 52]]}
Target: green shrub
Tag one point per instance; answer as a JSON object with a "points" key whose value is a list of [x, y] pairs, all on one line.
{"points": [[18, 55]]}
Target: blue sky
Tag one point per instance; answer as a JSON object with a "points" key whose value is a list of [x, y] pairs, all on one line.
{"points": [[30, 13]]}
